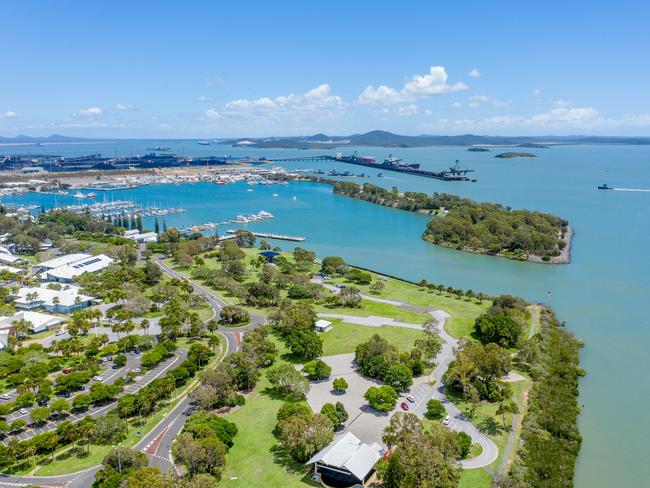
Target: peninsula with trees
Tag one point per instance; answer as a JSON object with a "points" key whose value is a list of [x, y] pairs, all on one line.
{"points": [[483, 228]]}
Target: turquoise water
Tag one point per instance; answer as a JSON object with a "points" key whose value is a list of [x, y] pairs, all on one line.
{"points": [[603, 295]]}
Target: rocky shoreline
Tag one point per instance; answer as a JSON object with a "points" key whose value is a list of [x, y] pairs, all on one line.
{"points": [[565, 255]]}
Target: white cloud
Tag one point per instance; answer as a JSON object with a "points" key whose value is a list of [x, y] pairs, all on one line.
{"points": [[419, 86], [537, 92], [474, 73], [213, 114], [433, 83], [124, 106], [204, 98], [428, 112], [477, 100], [408, 110], [9, 114], [579, 117], [317, 102], [381, 95], [561, 103], [562, 115], [456, 105], [90, 112]]}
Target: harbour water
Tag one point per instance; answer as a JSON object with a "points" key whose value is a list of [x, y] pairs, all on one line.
{"points": [[603, 295]]}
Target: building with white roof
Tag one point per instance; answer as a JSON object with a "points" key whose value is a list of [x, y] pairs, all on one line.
{"points": [[137, 236], [68, 272], [7, 257], [322, 325], [11, 269], [40, 321], [53, 297], [61, 261], [346, 461]]}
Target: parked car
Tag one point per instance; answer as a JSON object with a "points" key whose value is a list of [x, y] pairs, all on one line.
{"points": [[340, 286], [6, 396], [23, 411], [405, 406], [447, 420], [66, 370], [137, 370], [60, 332], [98, 378], [410, 398]]}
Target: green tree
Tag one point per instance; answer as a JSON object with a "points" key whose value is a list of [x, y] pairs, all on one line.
{"points": [[435, 410], [39, 415], [305, 435], [506, 407], [398, 376], [500, 329], [317, 370], [381, 398], [288, 381], [340, 385]]}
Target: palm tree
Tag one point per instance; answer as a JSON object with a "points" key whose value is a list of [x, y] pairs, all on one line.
{"points": [[214, 342], [21, 327], [144, 325]]}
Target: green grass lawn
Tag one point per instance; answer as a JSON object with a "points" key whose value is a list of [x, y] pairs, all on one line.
{"points": [[463, 311], [379, 309], [256, 458], [344, 338], [475, 478]]}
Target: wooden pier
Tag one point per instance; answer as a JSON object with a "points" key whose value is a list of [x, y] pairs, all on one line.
{"points": [[266, 235]]}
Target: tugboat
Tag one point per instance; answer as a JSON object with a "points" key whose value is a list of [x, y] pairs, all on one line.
{"points": [[604, 186]]}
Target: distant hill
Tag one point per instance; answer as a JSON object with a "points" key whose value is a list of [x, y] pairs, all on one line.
{"points": [[54, 138], [389, 139]]}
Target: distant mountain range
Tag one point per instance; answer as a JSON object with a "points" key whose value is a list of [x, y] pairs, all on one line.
{"points": [[373, 138], [54, 138], [388, 139]]}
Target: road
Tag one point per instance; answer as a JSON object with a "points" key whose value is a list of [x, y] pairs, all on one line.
{"points": [[157, 442]]}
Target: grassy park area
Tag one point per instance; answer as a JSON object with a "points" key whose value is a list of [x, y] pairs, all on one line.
{"points": [[343, 338]]}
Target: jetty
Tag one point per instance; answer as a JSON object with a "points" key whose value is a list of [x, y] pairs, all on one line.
{"points": [[267, 235]]}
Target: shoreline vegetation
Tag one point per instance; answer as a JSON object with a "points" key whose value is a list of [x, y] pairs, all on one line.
{"points": [[465, 225]]}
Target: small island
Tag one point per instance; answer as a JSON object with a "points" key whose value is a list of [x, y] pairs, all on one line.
{"points": [[478, 149], [515, 155], [482, 228]]}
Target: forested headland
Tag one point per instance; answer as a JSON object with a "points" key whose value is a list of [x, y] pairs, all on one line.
{"points": [[484, 228]]}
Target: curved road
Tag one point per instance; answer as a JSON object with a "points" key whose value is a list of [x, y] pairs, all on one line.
{"points": [[157, 442]]}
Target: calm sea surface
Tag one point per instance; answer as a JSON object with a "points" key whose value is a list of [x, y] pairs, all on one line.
{"points": [[603, 295]]}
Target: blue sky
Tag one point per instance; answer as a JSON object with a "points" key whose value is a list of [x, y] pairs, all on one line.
{"points": [[213, 69]]}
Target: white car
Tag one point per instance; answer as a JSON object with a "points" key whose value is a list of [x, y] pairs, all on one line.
{"points": [[447, 420], [137, 370], [60, 332], [23, 411], [98, 378], [410, 398], [6, 396]]}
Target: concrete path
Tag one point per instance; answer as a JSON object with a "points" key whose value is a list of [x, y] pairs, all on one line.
{"points": [[370, 320]]}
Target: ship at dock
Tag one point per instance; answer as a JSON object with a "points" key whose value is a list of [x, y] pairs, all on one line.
{"points": [[456, 172]]}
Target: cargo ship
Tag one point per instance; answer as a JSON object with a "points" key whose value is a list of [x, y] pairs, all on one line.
{"points": [[456, 172]]}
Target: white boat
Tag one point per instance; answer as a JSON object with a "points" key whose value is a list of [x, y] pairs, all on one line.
{"points": [[250, 189], [79, 195], [294, 198], [276, 195]]}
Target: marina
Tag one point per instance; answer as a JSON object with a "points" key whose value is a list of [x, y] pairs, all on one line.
{"points": [[269, 235]]}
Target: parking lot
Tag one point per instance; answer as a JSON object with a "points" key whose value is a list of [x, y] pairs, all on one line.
{"points": [[368, 425]]}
